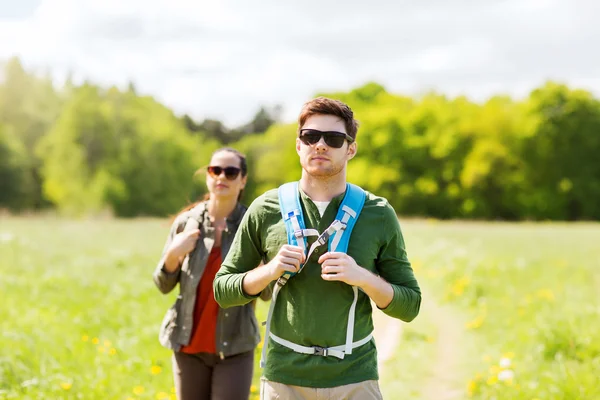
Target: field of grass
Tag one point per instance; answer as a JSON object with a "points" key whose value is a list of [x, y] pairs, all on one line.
{"points": [[511, 311]]}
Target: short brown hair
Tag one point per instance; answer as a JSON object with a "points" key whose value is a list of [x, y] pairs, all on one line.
{"points": [[326, 106]]}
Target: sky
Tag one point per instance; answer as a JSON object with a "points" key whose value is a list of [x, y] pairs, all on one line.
{"points": [[224, 59]]}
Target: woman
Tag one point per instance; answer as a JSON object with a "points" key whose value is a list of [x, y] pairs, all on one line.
{"points": [[213, 348]]}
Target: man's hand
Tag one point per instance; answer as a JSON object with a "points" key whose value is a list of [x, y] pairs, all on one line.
{"points": [[336, 266], [288, 259], [341, 267]]}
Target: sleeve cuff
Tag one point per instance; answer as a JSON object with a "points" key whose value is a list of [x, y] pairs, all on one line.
{"points": [[241, 289], [165, 272], [394, 304]]}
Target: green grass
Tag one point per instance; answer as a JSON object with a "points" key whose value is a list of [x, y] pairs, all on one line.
{"points": [[80, 313], [527, 303]]}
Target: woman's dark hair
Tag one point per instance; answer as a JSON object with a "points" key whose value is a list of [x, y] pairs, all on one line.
{"points": [[243, 162]]}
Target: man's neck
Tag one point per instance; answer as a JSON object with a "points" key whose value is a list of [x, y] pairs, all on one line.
{"points": [[323, 188]]}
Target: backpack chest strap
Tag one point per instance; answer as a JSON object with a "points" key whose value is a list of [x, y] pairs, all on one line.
{"points": [[335, 351]]}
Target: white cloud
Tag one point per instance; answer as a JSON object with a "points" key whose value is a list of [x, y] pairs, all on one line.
{"points": [[225, 59]]}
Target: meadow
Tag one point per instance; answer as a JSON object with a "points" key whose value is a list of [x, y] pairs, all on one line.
{"points": [[510, 311]]}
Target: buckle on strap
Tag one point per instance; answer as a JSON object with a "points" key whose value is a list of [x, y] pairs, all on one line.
{"points": [[320, 351], [336, 226], [282, 280]]}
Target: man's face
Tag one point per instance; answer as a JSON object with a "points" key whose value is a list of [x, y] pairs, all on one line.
{"points": [[319, 159]]}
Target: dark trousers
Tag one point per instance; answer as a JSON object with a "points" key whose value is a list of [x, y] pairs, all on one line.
{"points": [[205, 376]]}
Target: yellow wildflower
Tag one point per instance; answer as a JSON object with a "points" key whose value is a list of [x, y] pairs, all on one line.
{"points": [[471, 388], [162, 396], [138, 390], [476, 323], [155, 370], [66, 385], [459, 285], [494, 370], [416, 265], [546, 294], [95, 340], [85, 338]]}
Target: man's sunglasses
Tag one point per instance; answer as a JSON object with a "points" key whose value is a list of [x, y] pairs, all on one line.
{"points": [[332, 138], [230, 172]]}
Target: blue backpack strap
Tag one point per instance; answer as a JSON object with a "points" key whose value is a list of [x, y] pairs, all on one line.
{"points": [[289, 202], [348, 213], [291, 212]]}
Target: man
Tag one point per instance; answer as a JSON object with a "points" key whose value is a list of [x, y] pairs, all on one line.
{"points": [[312, 309]]}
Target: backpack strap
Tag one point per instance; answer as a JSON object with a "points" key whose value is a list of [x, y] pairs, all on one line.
{"points": [[337, 236], [291, 212], [348, 213], [194, 220]]}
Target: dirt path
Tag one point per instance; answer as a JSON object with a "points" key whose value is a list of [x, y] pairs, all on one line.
{"points": [[388, 333], [446, 381]]}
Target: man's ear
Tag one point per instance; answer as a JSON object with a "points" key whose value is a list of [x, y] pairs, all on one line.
{"points": [[352, 148]]}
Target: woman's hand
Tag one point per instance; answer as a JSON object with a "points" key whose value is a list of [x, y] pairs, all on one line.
{"points": [[183, 243]]}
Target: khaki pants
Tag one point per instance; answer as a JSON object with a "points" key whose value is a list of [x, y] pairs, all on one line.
{"points": [[367, 390]]}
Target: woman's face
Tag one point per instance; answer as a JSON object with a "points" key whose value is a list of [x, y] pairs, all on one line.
{"points": [[222, 165]]}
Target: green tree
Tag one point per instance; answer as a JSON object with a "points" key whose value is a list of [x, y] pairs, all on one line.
{"points": [[561, 150], [29, 105], [118, 151], [16, 183]]}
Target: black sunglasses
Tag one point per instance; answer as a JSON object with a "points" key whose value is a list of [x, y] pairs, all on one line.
{"points": [[332, 138], [230, 172]]}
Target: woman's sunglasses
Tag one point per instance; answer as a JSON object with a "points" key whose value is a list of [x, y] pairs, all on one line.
{"points": [[332, 138], [230, 172]]}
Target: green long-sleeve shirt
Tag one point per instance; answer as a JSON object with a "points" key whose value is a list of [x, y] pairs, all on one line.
{"points": [[313, 312]]}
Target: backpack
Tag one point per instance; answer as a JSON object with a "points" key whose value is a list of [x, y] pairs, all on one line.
{"points": [[337, 237]]}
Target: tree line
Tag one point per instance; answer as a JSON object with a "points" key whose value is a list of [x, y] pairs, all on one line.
{"points": [[84, 149]]}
